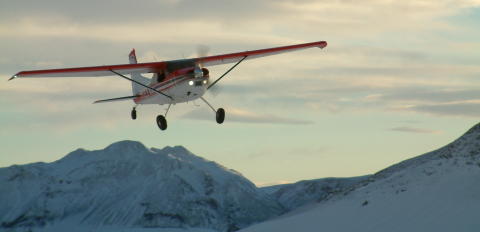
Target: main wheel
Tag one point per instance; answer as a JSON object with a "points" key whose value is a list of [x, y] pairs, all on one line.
{"points": [[220, 116], [161, 122], [134, 114]]}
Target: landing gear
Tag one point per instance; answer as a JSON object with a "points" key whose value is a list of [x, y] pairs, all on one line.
{"points": [[134, 113], [161, 122], [220, 115]]}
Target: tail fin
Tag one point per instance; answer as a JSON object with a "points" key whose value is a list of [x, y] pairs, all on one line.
{"points": [[132, 57], [136, 88]]}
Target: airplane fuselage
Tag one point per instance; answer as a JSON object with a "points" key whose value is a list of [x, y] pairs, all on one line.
{"points": [[182, 86]]}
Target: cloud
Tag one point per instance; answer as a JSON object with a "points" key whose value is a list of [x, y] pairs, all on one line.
{"points": [[243, 116], [158, 32], [430, 95], [439, 101], [387, 58], [373, 17], [410, 121], [362, 69], [415, 130], [248, 21], [457, 109], [90, 11], [356, 93], [35, 90], [62, 104]]}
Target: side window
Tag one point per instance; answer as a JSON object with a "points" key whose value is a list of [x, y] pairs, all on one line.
{"points": [[160, 76]]}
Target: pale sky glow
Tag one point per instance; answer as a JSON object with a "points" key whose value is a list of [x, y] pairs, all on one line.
{"points": [[398, 79]]}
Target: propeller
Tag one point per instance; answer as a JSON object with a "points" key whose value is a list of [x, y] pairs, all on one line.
{"points": [[202, 51]]}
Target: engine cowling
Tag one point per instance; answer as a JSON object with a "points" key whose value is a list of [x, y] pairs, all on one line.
{"points": [[200, 72]]}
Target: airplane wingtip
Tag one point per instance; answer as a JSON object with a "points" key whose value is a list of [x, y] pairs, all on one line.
{"points": [[323, 44], [13, 77]]}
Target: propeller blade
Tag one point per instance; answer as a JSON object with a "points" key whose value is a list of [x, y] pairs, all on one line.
{"points": [[202, 51]]}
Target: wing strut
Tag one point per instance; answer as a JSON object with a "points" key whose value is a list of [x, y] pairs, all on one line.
{"points": [[148, 87], [116, 99], [215, 82]]}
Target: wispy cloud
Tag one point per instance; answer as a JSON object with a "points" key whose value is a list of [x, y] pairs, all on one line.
{"points": [[348, 76], [415, 130], [456, 109], [62, 105], [163, 19], [244, 116], [136, 33]]}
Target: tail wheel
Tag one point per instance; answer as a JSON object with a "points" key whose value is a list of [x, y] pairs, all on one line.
{"points": [[161, 122], [220, 115], [134, 114]]}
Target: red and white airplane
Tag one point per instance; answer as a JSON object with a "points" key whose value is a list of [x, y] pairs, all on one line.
{"points": [[172, 82]]}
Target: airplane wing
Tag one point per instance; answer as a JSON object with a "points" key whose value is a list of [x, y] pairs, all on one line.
{"points": [[235, 57], [94, 71], [155, 67]]}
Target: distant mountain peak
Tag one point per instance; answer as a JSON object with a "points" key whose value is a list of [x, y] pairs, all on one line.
{"points": [[126, 145], [127, 184]]}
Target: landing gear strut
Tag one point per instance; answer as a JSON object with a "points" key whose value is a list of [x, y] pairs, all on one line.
{"points": [[219, 114]]}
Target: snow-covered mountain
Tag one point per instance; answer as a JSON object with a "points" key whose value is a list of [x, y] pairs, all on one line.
{"points": [[438, 191], [292, 196], [128, 185]]}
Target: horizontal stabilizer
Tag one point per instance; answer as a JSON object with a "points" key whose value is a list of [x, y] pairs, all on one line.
{"points": [[116, 99]]}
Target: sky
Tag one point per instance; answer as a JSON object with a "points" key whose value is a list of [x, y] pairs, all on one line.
{"points": [[397, 79]]}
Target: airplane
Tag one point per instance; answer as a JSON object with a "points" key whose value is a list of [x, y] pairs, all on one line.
{"points": [[174, 81]]}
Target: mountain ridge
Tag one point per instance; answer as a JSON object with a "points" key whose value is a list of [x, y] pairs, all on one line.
{"points": [[436, 191], [127, 184]]}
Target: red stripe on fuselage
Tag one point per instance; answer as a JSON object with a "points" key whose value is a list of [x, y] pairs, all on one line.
{"points": [[148, 93]]}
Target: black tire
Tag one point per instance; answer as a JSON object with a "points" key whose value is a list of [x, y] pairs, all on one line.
{"points": [[161, 122], [134, 114], [220, 116]]}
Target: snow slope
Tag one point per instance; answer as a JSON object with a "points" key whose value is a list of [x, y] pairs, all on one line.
{"points": [[292, 196], [438, 191], [127, 185]]}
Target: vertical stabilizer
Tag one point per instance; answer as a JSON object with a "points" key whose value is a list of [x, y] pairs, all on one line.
{"points": [[132, 57], [136, 88]]}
